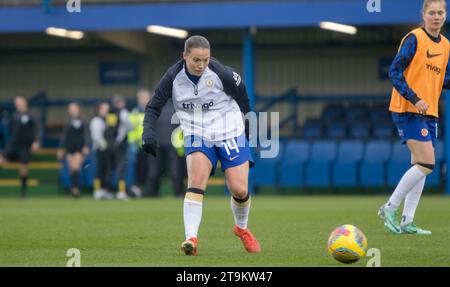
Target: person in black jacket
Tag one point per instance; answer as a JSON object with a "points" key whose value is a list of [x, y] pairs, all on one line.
{"points": [[23, 140], [150, 169], [74, 145]]}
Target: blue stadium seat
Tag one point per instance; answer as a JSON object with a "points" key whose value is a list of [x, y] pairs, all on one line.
{"points": [[345, 168], [332, 113], [379, 112], [356, 113], [383, 130], [434, 179], [439, 151], [292, 166], [313, 129], [336, 130], [399, 163], [265, 170], [373, 167], [360, 130], [318, 169], [64, 175]]}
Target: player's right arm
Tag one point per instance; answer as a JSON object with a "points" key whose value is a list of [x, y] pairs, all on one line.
{"points": [[396, 72], [152, 112]]}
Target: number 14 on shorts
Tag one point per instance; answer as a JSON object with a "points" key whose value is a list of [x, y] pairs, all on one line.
{"points": [[230, 145]]}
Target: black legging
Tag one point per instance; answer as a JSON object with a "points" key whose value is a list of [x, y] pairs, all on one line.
{"points": [[103, 168], [110, 160], [118, 160], [150, 169]]}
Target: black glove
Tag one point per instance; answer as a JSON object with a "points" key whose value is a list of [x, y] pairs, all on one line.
{"points": [[150, 146]]}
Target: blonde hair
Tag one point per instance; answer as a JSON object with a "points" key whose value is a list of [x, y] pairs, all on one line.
{"points": [[427, 3]]}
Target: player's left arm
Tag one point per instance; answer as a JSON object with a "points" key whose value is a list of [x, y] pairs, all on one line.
{"points": [[234, 87], [241, 97], [244, 105], [232, 84]]}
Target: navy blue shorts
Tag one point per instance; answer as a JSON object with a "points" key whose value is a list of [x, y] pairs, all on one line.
{"points": [[416, 127], [17, 154], [231, 152]]}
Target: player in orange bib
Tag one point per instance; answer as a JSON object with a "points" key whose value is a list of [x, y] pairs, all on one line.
{"points": [[419, 72]]}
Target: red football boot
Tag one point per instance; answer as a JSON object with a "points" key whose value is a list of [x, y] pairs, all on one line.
{"points": [[248, 239]]}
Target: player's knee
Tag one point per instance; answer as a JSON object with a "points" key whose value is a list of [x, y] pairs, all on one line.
{"points": [[242, 200], [426, 168], [239, 193]]}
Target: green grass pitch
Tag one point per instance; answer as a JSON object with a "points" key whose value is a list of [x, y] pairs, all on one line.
{"points": [[293, 231]]}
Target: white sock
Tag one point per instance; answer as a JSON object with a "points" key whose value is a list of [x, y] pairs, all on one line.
{"points": [[192, 215], [413, 176], [411, 202], [240, 212]]}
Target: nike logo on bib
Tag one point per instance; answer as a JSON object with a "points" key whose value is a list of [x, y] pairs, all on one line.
{"points": [[429, 56]]}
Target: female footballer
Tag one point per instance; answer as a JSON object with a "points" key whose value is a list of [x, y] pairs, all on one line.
{"points": [[74, 145], [418, 73]]}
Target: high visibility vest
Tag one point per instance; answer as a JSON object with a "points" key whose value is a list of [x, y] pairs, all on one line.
{"points": [[135, 135], [177, 140]]}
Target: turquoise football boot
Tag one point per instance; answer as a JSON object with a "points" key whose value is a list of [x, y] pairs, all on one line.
{"points": [[390, 220], [411, 228]]}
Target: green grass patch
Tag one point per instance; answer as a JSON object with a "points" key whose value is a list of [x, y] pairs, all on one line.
{"points": [[293, 231]]}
